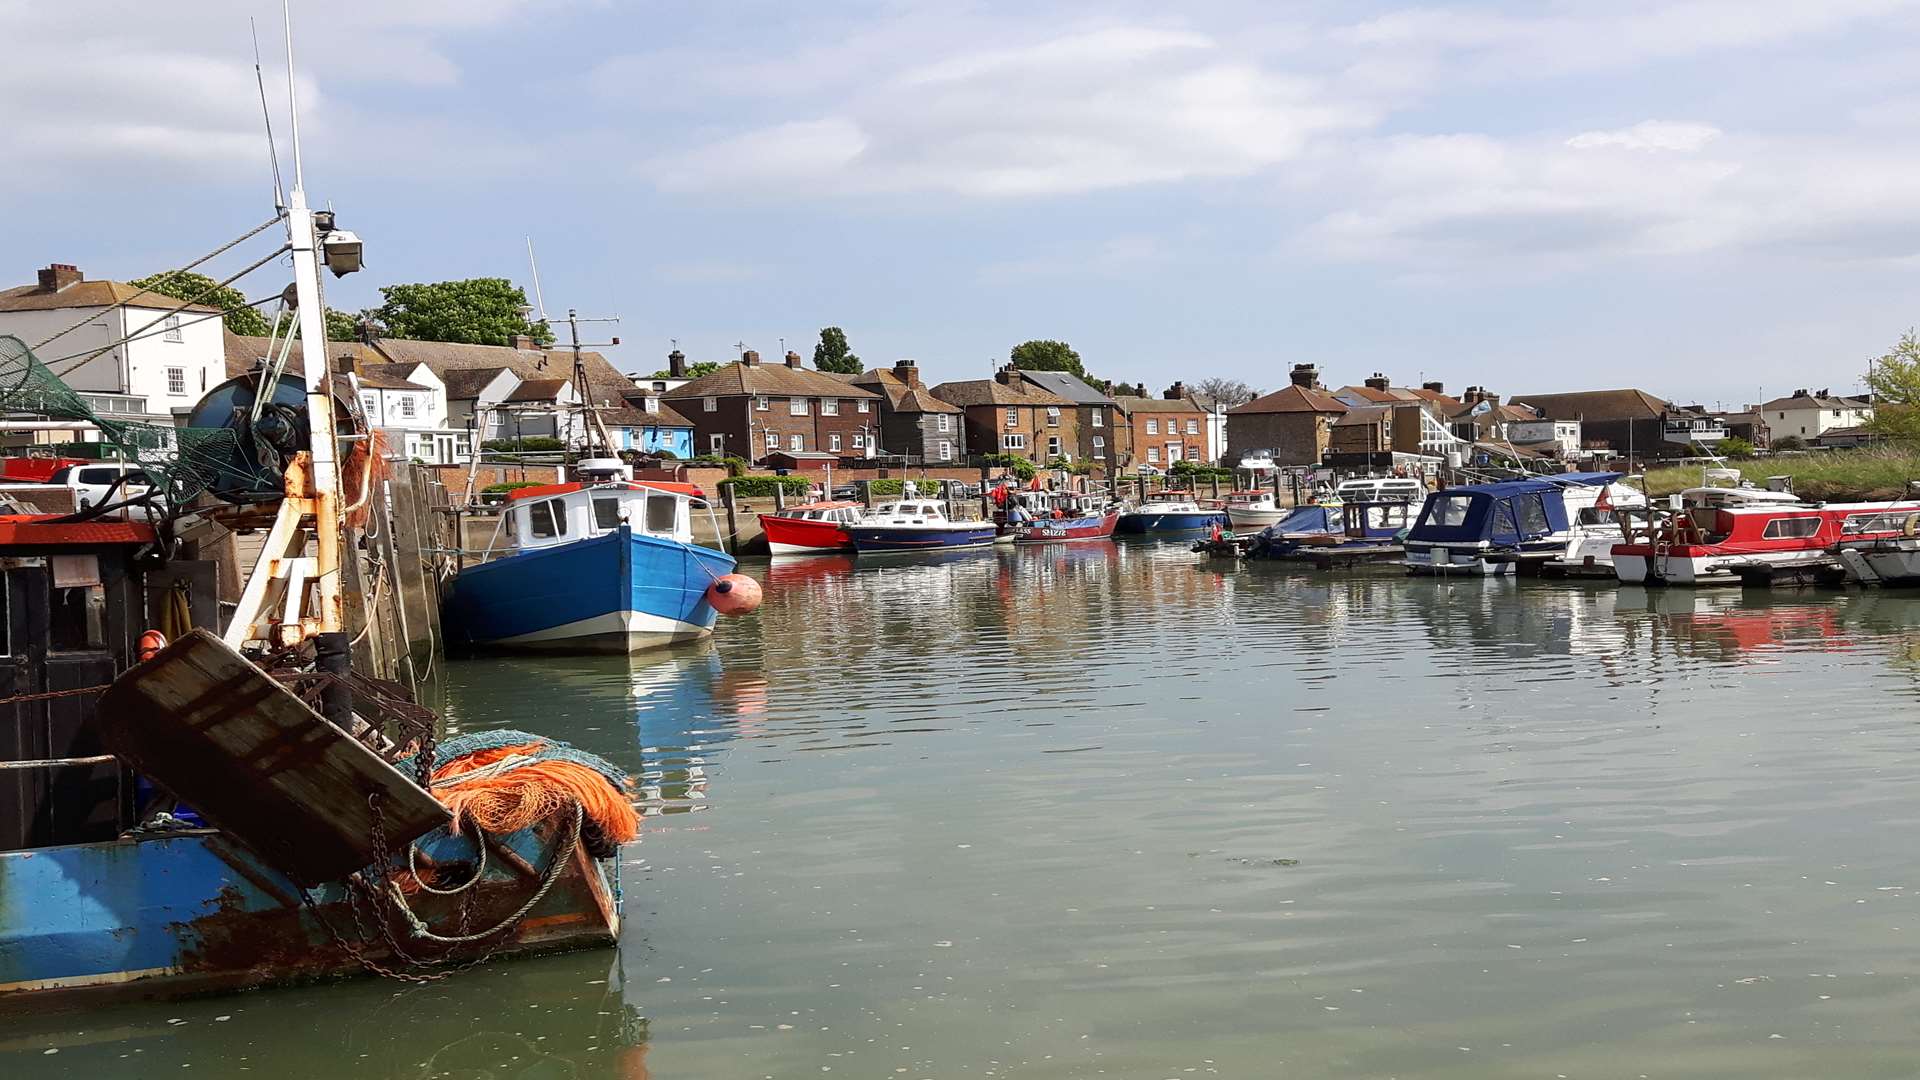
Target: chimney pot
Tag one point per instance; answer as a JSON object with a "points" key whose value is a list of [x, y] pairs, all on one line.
{"points": [[1378, 382], [1436, 387], [677, 364], [907, 372], [58, 276], [1306, 376], [751, 358], [523, 342], [793, 359], [1177, 391]]}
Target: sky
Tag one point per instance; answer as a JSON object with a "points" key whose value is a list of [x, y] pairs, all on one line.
{"points": [[1713, 200]]}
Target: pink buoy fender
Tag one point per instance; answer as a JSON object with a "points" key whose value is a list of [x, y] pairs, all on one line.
{"points": [[734, 594]]}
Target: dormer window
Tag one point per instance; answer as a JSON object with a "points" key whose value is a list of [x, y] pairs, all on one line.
{"points": [[653, 404]]}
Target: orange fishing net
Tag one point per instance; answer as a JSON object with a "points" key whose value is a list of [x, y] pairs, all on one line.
{"points": [[531, 792]]}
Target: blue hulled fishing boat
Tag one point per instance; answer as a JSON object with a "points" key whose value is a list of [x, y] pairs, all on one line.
{"points": [[599, 567], [918, 524], [1166, 514]]}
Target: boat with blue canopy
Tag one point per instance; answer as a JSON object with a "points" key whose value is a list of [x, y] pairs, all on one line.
{"points": [[1314, 533], [1494, 528]]}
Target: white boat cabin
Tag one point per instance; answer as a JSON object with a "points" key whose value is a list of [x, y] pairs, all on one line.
{"points": [[1262, 499], [836, 513], [554, 514], [908, 512], [1381, 489]]}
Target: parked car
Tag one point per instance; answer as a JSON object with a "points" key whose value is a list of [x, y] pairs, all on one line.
{"points": [[98, 483], [1149, 470]]}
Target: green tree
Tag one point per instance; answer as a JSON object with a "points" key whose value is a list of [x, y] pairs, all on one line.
{"points": [[187, 285], [1894, 380], [1736, 448], [343, 325], [1047, 356], [476, 311], [694, 371], [833, 354]]}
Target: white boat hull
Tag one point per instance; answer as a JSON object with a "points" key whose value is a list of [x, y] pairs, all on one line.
{"points": [[1462, 561], [1701, 569], [614, 632], [1892, 564], [1242, 518]]}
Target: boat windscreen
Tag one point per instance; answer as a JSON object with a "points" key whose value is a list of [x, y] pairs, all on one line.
{"points": [[1448, 511]]}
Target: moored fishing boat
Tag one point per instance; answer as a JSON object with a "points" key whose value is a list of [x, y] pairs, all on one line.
{"points": [[1058, 517], [811, 529], [1703, 545], [1881, 559], [918, 524], [1331, 535], [1168, 513], [1254, 509], [595, 567]]}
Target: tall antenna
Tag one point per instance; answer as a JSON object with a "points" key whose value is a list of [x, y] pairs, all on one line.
{"points": [[273, 154], [293, 101], [538, 299]]}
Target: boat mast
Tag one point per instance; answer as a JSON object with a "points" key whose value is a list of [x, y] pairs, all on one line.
{"points": [[596, 425]]}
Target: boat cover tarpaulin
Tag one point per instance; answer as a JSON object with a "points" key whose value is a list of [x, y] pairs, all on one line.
{"points": [[1503, 513]]}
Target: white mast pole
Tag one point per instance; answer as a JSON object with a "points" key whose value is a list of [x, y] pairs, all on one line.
{"points": [[324, 482]]}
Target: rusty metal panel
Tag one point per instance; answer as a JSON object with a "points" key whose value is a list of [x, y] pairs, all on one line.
{"points": [[203, 721]]}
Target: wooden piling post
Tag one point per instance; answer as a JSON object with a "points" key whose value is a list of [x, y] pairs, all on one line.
{"points": [[733, 523]]}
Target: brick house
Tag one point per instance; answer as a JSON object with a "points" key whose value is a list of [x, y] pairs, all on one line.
{"points": [[1166, 429], [1097, 419], [1294, 423], [1627, 422], [749, 409], [913, 422], [1011, 416]]}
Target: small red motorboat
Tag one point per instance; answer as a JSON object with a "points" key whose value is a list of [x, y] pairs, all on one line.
{"points": [[812, 528]]}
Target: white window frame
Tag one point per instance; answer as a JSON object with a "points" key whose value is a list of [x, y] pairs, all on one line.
{"points": [[370, 402], [717, 445], [1193, 427], [796, 443], [830, 406], [1054, 447], [859, 440], [1013, 440], [1053, 416], [177, 381], [946, 423], [797, 406], [652, 404], [773, 439], [1153, 455], [946, 450], [1099, 418], [1100, 447], [711, 404], [173, 333], [760, 403], [1153, 426], [833, 442], [407, 406], [1013, 418], [863, 404]]}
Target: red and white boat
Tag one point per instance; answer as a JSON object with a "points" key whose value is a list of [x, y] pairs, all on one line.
{"points": [[1706, 545], [811, 528]]}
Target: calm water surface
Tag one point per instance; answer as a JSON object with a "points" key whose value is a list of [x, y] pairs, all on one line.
{"points": [[1115, 812]]}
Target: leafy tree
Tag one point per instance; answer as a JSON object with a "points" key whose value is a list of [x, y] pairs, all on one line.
{"points": [[832, 354], [476, 311], [187, 285], [1736, 448], [694, 371], [1224, 391], [1047, 356], [343, 325], [1894, 380]]}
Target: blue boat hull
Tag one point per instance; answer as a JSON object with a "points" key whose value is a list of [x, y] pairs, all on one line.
{"points": [[615, 593], [190, 913], [1137, 524], [884, 538]]}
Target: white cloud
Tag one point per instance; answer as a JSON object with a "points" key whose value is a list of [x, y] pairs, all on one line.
{"points": [[1648, 135]]}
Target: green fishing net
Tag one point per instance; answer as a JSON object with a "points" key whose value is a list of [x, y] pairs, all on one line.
{"points": [[182, 462]]}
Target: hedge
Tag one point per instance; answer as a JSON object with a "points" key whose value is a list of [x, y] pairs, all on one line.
{"points": [[511, 485], [1018, 466], [896, 485], [749, 487], [521, 446], [735, 466]]}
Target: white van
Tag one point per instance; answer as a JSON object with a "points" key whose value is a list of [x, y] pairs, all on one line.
{"points": [[93, 484]]}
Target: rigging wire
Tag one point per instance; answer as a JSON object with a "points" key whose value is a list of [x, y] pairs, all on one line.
{"points": [[182, 306]]}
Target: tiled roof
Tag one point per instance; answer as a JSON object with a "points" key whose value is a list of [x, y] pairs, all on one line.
{"points": [[538, 390], [85, 294], [900, 397], [1594, 405], [606, 384], [769, 380], [994, 392], [1067, 385], [1365, 414], [243, 354], [1817, 401], [1289, 399], [1130, 404], [465, 384]]}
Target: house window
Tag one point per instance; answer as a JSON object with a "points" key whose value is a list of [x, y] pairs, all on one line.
{"points": [[830, 406], [863, 404], [371, 405], [406, 406], [859, 440], [1099, 445], [797, 406], [1053, 416], [176, 380], [1013, 418], [795, 443], [717, 444], [1153, 454], [710, 404], [760, 404], [833, 442], [1099, 418], [653, 404], [1013, 442], [773, 440], [946, 450], [173, 328], [1153, 427], [1193, 427], [1053, 446], [946, 423]]}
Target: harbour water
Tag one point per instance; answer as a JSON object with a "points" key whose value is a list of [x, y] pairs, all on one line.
{"points": [[1114, 811]]}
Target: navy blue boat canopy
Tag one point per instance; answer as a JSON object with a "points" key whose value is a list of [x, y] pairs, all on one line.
{"points": [[1508, 512], [1589, 479]]}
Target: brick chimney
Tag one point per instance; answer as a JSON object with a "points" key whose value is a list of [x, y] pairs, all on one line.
{"points": [[1378, 382], [1177, 391], [907, 372], [523, 342], [751, 358], [677, 364], [793, 359], [1436, 387], [1306, 375], [1007, 376], [58, 276]]}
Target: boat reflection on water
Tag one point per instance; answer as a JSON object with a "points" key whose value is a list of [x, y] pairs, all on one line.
{"points": [[1738, 624]]}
